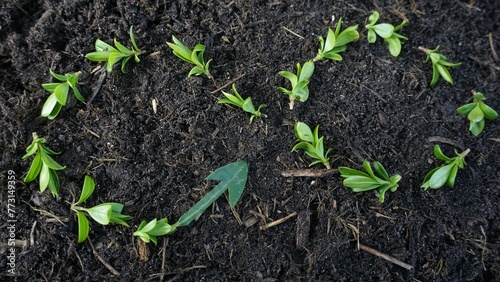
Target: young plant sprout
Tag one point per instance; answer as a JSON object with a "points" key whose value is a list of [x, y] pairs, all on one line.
{"points": [[103, 213], [43, 165], [476, 112], [336, 42], [59, 91], [445, 174], [300, 81], [311, 144], [360, 181], [107, 53], [439, 65], [245, 104], [387, 32], [233, 178], [194, 57]]}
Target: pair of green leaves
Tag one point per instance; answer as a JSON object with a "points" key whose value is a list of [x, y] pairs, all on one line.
{"points": [[336, 42], [387, 32], [439, 65], [299, 81], [103, 213], [43, 165], [107, 53], [246, 104], [233, 178], [311, 144], [360, 181], [476, 112], [194, 57], [59, 91], [445, 174]]}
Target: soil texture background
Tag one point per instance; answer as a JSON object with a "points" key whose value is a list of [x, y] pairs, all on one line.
{"points": [[370, 106]]}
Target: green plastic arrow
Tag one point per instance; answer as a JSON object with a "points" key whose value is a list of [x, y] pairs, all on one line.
{"points": [[233, 177]]}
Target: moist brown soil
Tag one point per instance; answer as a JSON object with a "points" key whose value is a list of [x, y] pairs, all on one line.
{"points": [[370, 106]]}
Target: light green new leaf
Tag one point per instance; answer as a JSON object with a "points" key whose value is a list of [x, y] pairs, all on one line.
{"points": [[34, 170], [476, 114], [488, 112], [83, 227], [100, 213], [87, 190]]}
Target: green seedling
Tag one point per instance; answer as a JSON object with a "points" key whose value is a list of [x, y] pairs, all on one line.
{"points": [[233, 178], [336, 42], [60, 91], [360, 181], [245, 104], [194, 57], [447, 173], [107, 53], [103, 213], [43, 165], [387, 32], [311, 144], [439, 65], [300, 82], [476, 112]]}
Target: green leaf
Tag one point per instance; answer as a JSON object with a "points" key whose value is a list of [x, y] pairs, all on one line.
{"points": [[54, 182], [347, 172], [373, 18], [303, 132], [233, 178], [248, 105], [476, 114], [49, 105], [196, 71], [83, 227], [384, 30], [132, 39], [440, 176], [465, 109], [32, 148], [51, 87], [59, 77], [379, 168], [372, 37], [87, 190], [100, 56], [440, 155], [113, 58], [394, 45], [306, 147], [368, 169], [180, 50], [124, 62], [451, 178], [77, 94], [488, 112], [435, 74], [61, 93], [427, 177], [101, 46], [348, 35], [44, 177], [360, 183], [476, 127], [34, 170], [101, 213], [122, 48], [290, 76], [306, 71], [55, 111], [443, 71], [330, 41], [333, 56], [46, 159]]}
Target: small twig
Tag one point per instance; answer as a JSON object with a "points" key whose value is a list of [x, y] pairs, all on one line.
{"points": [[279, 221], [492, 46], [307, 172], [108, 160], [164, 250], [106, 264], [99, 83], [227, 84], [91, 132], [296, 34], [446, 141], [32, 236], [384, 256]]}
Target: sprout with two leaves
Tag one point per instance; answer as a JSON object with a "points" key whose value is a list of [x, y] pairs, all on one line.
{"points": [[103, 213], [387, 32], [476, 112], [336, 42], [447, 173], [360, 181], [43, 165], [194, 57], [439, 65], [246, 104], [311, 144], [107, 53], [60, 91], [299, 81]]}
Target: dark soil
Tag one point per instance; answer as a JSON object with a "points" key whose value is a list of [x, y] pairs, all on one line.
{"points": [[370, 106]]}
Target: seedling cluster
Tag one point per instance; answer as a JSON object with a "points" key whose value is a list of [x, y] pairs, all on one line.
{"points": [[233, 176]]}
